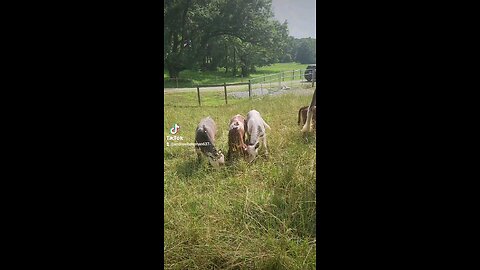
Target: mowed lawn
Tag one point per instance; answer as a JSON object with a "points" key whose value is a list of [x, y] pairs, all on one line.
{"points": [[190, 78], [243, 216]]}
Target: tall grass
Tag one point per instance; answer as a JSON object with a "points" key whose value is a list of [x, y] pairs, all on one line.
{"points": [[243, 216]]}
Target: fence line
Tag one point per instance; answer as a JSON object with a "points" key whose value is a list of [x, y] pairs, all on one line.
{"points": [[279, 80], [284, 76], [285, 80], [177, 80], [218, 85]]}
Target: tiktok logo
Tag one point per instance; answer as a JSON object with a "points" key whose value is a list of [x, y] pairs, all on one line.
{"points": [[174, 129]]}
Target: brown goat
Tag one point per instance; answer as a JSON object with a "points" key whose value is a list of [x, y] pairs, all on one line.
{"points": [[302, 115], [205, 142], [236, 137], [311, 114]]}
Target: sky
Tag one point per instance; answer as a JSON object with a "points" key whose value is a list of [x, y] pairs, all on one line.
{"points": [[300, 14]]}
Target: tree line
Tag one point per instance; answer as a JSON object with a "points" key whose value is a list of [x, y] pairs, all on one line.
{"points": [[238, 35]]}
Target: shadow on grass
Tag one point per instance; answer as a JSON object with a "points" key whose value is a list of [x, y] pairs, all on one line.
{"points": [[168, 155], [309, 137], [188, 168]]}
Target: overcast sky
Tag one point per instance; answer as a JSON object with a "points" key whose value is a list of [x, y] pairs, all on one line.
{"points": [[300, 15]]}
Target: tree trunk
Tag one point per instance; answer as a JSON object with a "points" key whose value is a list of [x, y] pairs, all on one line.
{"points": [[244, 66], [226, 59], [173, 73], [245, 71], [234, 71]]}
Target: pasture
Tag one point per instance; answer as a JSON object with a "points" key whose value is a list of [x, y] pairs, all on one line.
{"points": [[190, 78], [243, 216]]}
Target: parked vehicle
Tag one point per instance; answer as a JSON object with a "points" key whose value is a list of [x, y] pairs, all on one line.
{"points": [[308, 72]]}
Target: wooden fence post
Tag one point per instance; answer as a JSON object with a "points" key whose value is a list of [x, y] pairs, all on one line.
{"points": [[225, 88], [198, 94], [250, 89], [176, 79]]}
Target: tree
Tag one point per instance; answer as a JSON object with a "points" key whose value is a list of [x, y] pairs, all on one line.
{"points": [[176, 35], [306, 51], [220, 33]]}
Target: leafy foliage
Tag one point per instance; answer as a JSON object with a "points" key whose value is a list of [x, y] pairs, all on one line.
{"points": [[301, 50], [201, 34], [306, 51]]}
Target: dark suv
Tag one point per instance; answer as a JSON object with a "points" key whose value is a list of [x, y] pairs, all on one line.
{"points": [[308, 71]]}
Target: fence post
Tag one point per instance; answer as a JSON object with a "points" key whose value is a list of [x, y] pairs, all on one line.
{"points": [[279, 80], [293, 75], [198, 94], [250, 89], [225, 88], [176, 79]]}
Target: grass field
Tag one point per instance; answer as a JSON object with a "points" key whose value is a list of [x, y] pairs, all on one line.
{"points": [[243, 216], [189, 78], [207, 98]]}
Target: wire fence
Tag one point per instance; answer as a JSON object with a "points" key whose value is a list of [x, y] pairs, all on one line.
{"points": [[177, 83], [273, 84], [191, 83], [285, 80]]}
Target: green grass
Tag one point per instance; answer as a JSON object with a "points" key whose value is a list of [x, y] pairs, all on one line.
{"points": [[207, 97], [243, 216], [190, 78]]}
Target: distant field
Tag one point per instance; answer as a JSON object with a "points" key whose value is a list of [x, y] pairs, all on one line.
{"points": [[244, 216], [189, 78]]}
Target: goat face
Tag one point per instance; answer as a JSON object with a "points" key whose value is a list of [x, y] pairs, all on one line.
{"points": [[252, 151], [217, 159]]}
